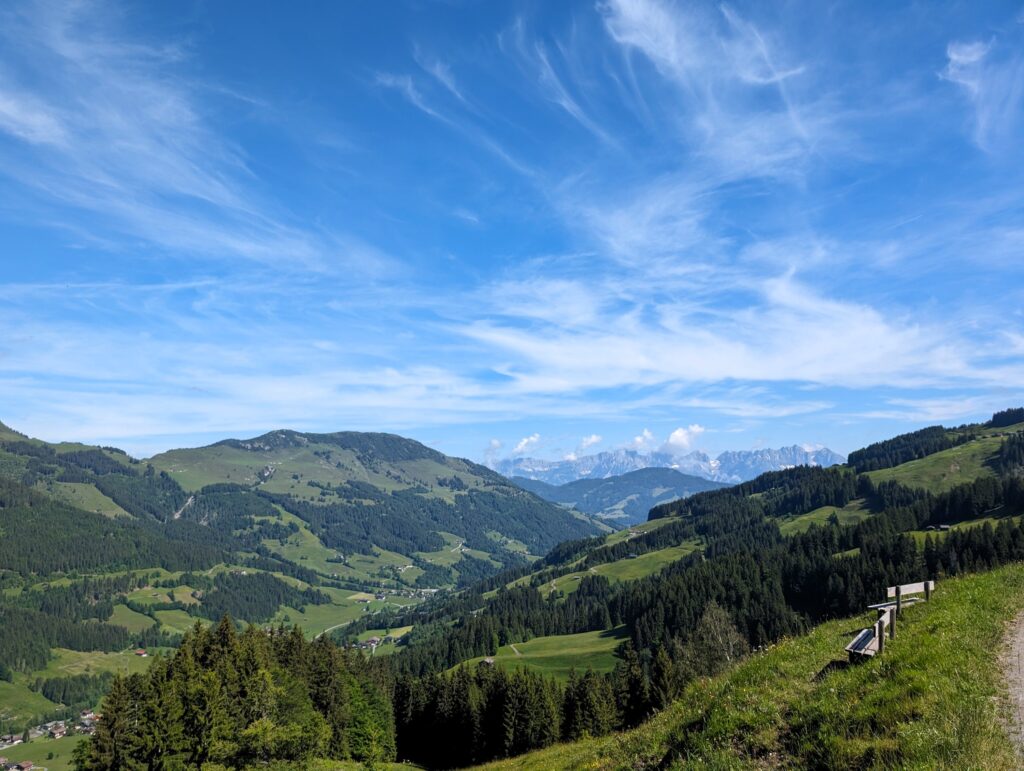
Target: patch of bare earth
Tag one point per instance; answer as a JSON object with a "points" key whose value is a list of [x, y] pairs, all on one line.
{"points": [[1012, 659]]}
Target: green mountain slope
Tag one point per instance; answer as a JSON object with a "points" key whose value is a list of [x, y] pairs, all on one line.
{"points": [[931, 701], [360, 492], [623, 499], [972, 457], [8, 434]]}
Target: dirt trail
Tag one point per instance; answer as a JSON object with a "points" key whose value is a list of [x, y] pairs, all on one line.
{"points": [[1012, 659]]}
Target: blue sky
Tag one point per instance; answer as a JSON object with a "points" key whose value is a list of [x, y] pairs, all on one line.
{"points": [[501, 227]]}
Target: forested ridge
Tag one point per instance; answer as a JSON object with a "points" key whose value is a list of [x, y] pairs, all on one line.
{"points": [[43, 536], [745, 586], [904, 448]]}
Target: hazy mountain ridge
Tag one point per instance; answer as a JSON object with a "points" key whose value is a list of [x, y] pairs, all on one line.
{"points": [[729, 467], [626, 498]]}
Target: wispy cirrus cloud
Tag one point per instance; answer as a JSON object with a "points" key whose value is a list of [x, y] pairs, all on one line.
{"points": [[117, 130], [991, 76], [737, 106], [441, 71], [406, 86]]}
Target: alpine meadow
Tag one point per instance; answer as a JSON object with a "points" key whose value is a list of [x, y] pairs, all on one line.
{"points": [[449, 384]]}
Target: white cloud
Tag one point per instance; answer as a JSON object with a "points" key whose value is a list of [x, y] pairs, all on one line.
{"points": [[27, 118], [491, 451], [590, 441], [644, 441], [441, 72], [526, 444], [993, 81], [404, 84], [734, 87], [779, 329], [682, 438], [557, 92]]}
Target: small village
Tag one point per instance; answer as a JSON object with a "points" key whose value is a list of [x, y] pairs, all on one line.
{"points": [[84, 725]]}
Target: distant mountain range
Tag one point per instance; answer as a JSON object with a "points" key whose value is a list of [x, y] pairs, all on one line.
{"points": [[626, 498], [730, 467]]}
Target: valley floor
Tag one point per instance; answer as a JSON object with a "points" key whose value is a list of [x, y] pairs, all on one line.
{"points": [[934, 699]]}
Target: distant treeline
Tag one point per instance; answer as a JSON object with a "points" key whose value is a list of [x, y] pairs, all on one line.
{"points": [[919, 444], [28, 635], [472, 716], [1008, 417], [254, 596], [74, 691]]}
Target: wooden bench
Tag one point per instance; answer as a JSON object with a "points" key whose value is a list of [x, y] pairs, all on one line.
{"points": [[871, 641], [863, 646]]}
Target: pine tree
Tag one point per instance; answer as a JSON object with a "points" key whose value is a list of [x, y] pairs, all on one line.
{"points": [[112, 747], [632, 687], [664, 680]]}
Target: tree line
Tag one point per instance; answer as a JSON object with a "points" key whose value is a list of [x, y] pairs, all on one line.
{"points": [[230, 700]]}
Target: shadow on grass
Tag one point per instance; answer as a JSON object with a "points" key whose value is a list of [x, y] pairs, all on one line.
{"points": [[834, 665]]}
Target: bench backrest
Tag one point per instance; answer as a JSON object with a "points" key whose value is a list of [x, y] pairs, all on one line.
{"points": [[906, 589]]}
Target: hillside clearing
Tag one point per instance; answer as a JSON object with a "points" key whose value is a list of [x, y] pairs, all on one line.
{"points": [[855, 511], [559, 655]]}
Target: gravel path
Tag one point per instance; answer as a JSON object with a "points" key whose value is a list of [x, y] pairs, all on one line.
{"points": [[1012, 658]]}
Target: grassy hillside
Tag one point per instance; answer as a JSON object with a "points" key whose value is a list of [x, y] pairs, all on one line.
{"points": [[85, 496], [8, 434], [855, 511], [943, 470], [932, 700], [558, 655], [628, 569]]}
